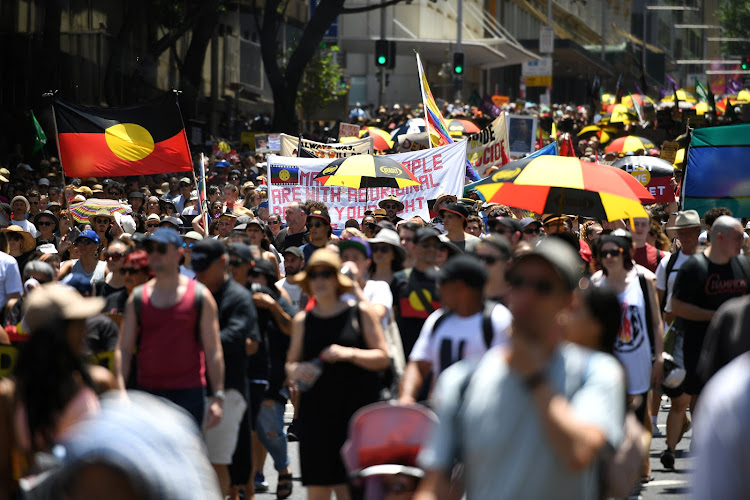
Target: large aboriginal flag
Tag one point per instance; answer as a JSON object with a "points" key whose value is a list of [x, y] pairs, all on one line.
{"points": [[107, 142]]}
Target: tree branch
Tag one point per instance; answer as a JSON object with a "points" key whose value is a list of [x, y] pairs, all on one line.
{"points": [[368, 8]]}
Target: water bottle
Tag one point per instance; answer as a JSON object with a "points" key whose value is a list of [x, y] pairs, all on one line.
{"points": [[317, 368]]}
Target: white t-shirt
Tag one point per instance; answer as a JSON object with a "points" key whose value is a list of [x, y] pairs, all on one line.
{"points": [[10, 277], [458, 338], [664, 282], [632, 345], [294, 291], [27, 226], [376, 292]]}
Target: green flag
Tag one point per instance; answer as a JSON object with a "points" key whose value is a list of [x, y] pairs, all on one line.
{"points": [[701, 91], [40, 139]]}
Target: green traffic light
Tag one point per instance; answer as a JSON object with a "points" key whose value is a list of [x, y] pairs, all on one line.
{"points": [[459, 70], [381, 60]]}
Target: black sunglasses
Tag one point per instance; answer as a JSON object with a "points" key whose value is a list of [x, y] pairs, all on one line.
{"points": [[45, 223], [323, 273], [317, 224], [541, 287], [611, 253], [14, 237], [236, 262], [380, 248], [370, 225], [83, 241], [274, 222], [101, 221], [436, 246], [530, 230], [488, 259], [151, 247], [153, 224]]}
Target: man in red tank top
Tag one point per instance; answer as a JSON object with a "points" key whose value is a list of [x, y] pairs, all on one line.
{"points": [[173, 350]]}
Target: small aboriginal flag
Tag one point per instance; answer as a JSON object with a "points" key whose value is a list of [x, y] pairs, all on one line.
{"points": [[284, 175], [108, 142]]}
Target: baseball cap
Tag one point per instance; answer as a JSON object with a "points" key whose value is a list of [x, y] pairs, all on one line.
{"points": [[90, 234], [222, 164], [508, 222], [527, 221], [265, 267], [320, 214], [456, 208], [296, 251], [561, 256], [166, 235], [173, 221], [425, 233], [205, 253], [358, 243], [240, 250], [43, 182], [464, 268]]}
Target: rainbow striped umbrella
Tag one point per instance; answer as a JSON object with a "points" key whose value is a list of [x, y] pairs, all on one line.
{"points": [[565, 185], [81, 211], [629, 143]]}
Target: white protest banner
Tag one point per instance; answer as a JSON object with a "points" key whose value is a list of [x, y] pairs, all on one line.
{"points": [[490, 146], [348, 130], [439, 170], [413, 142], [289, 145]]}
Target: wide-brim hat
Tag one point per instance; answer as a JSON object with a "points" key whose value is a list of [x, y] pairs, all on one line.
{"points": [[28, 243], [390, 237], [393, 199], [452, 197], [50, 303], [164, 189], [102, 212], [685, 219], [323, 258], [47, 213]]}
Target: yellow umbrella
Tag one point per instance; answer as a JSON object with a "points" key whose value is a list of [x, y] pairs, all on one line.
{"points": [[682, 95], [628, 100], [622, 114], [381, 139], [701, 108], [607, 99], [744, 95], [679, 158]]}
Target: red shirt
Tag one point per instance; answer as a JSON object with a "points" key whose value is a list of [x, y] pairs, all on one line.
{"points": [[648, 257], [169, 354]]}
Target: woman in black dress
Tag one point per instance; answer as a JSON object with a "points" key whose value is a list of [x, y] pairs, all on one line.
{"points": [[343, 343]]}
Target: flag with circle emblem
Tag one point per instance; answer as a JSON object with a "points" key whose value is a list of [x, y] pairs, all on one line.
{"points": [[144, 139]]}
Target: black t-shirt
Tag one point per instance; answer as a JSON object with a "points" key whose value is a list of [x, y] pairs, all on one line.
{"points": [[707, 285], [115, 302], [284, 240], [101, 334], [728, 336], [408, 308]]}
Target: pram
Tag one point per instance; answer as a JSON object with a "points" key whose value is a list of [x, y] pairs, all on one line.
{"points": [[381, 451]]}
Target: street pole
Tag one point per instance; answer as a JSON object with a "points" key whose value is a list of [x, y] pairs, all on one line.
{"points": [[604, 29], [549, 23], [459, 24], [643, 53], [381, 96]]}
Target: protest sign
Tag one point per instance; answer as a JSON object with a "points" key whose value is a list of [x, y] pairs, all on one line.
{"points": [[290, 144], [490, 146], [522, 130], [413, 142], [439, 170], [348, 130]]}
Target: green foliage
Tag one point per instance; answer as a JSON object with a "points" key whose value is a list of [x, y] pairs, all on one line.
{"points": [[734, 17], [322, 82]]}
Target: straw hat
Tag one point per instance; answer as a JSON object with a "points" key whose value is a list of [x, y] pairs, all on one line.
{"points": [[323, 258], [391, 199], [28, 243], [391, 238], [102, 212], [52, 303]]}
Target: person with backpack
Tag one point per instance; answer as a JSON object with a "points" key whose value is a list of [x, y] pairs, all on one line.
{"points": [[641, 325], [531, 418], [465, 327], [173, 322], [687, 225]]}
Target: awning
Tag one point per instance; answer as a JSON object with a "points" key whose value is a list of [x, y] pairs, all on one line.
{"points": [[486, 54]]}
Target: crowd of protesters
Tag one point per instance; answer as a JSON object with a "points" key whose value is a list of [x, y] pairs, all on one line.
{"points": [[538, 339]]}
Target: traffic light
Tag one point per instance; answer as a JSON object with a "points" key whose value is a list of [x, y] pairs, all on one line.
{"points": [[458, 63], [746, 63], [381, 53]]}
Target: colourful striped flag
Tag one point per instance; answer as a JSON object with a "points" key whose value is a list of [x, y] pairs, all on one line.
{"points": [[715, 172], [437, 129]]}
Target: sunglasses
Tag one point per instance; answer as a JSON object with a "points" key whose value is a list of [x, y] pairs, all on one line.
{"points": [[187, 245], [83, 241], [317, 224], [45, 223], [236, 262], [115, 256], [436, 246], [274, 222], [499, 229], [541, 287], [370, 225], [130, 270], [532, 231], [487, 259], [151, 247], [114, 193], [610, 253], [153, 224], [390, 207], [54, 209], [323, 273], [14, 237], [101, 221], [380, 248]]}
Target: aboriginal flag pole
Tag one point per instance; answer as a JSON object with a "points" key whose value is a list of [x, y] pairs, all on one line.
{"points": [[51, 94]]}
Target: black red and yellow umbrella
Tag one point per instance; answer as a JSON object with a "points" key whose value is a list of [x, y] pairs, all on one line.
{"points": [[629, 143], [653, 173], [565, 185], [366, 171], [459, 127]]}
